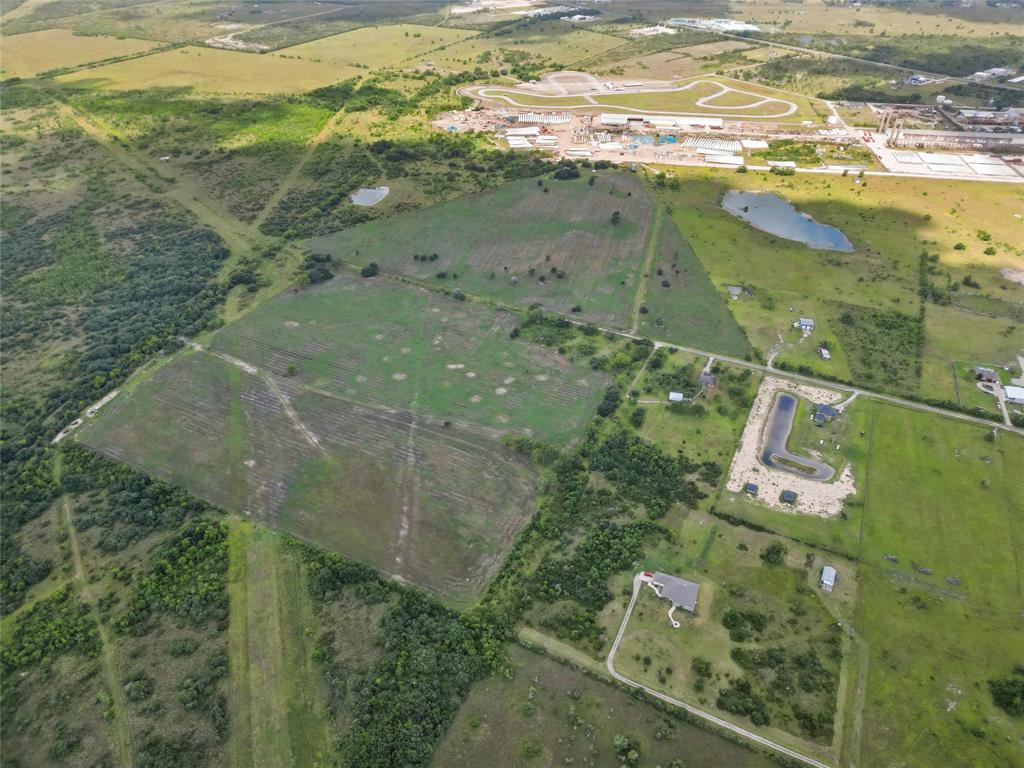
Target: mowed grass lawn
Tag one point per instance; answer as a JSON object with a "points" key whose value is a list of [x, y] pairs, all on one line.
{"points": [[683, 305], [437, 506], [277, 700], [31, 53], [380, 342], [376, 47], [520, 244], [941, 497], [214, 71]]}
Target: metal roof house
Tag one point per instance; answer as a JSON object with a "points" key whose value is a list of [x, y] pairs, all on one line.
{"points": [[805, 324], [1014, 395], [987, 374], [751, 488], [828, 578], [676, 397], [680, 592], [788, 497], [823, 413]]}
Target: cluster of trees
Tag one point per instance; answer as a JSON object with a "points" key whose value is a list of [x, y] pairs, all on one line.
{"points": [[645, 474], [53, 626], [200, 693], [186, 577], [887, 346], [1008, 692]]}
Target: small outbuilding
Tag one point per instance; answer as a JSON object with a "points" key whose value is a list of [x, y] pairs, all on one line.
{"points": [[805, 324], [828, 578], [751, 488], [676, 397], [788, 497]]}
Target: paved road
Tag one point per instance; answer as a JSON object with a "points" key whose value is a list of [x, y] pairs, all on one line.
{"points": [[638, 583]]}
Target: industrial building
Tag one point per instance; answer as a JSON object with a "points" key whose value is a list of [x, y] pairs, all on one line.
{"points": [[964, 140]]}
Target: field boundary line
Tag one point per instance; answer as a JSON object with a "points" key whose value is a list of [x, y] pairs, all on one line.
{"points": [[650, 250]]}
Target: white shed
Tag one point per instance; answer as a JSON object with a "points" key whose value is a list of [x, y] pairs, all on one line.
{"points": [[828, 578]]}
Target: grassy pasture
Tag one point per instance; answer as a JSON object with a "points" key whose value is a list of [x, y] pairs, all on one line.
{"points": [[277, 700], [434, 505], [551, 714], [552, 41], [214, 71], [32, 53], [509, 244], [688, 310], [376, 47], [378, 342], [890, 222], [938, 495]]}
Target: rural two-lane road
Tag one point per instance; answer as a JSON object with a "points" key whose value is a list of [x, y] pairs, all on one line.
{"points": [[638, 583]]}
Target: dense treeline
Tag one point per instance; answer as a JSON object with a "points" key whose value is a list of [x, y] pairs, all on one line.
{"points": [[113, 279], [186, 577]]}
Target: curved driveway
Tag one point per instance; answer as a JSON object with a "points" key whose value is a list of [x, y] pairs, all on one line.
{"points": [[638, 582]]}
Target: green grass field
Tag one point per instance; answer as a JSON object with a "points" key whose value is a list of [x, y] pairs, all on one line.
{"points": [[941, 498], [277, 701], [32, 53], [519, 244], [376, 341], [213, 71], [432, 504], [550, 714], [683, 305], [377, 47]]}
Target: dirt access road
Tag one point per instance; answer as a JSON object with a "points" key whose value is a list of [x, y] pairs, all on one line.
{"points": [[638, 581]]}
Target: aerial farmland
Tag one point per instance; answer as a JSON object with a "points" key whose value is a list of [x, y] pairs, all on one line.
{"points": [[415, 384]]}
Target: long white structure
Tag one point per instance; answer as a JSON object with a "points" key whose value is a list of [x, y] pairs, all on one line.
{"points": [[544, 118], [660, 121]]}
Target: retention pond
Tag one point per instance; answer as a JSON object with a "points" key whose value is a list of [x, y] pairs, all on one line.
{"points": [[773, 450], [369, 196], [776, 216]]}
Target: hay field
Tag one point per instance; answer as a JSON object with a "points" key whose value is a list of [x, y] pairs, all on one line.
{"points": [[553, 41], [32, 53], [216, 71], [376, 47], [378, 342], [433, 505], [510, 243]]}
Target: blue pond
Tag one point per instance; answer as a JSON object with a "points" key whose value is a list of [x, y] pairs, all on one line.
{"points": [[368, 197], [771, 214], [774, 446]]}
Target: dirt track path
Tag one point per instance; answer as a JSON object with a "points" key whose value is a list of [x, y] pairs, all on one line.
{"points": [[121, 730], [650, 251]]}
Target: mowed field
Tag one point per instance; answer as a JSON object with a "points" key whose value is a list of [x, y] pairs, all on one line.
{"points": [[214, 71], [683, 306], [699, 95], [520, 244], [378, 342], [948, 614], [436, 506], [377, 47], [30, 54]]}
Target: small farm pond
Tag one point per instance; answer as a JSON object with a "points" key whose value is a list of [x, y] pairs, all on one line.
{"points": [[774, 452], [367, 196], [776, 216]]}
